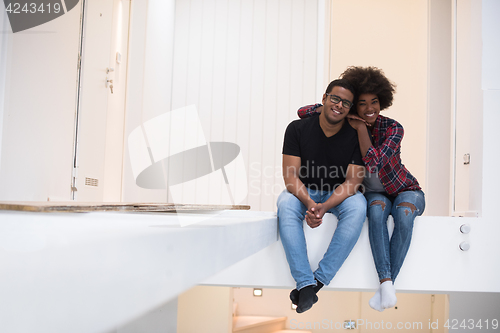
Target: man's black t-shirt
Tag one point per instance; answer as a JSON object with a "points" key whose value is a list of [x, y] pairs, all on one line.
{"points": [[324, 160]]}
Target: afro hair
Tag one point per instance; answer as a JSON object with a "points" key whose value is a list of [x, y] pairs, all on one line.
{"points": [[370, 80]]}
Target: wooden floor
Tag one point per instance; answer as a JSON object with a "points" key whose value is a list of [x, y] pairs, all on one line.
{"points": [[80, 207]]}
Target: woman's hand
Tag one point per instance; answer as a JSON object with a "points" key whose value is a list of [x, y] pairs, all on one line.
{"points": [[356, 122]]}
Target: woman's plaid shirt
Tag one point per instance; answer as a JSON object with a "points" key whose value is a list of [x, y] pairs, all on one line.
{"points": [[384, 155]]}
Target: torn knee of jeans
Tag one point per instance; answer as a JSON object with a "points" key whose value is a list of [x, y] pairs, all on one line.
{"points": [[409, 205], [378, 202]]}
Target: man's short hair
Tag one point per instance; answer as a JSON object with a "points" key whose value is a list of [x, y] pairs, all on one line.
{"points": [[341, 83]]}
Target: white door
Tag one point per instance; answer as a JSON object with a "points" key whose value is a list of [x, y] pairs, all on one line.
{"points": [[99, 149], [468, 119]]}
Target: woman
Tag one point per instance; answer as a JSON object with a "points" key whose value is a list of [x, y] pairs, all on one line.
{"points": [[390, 189]]}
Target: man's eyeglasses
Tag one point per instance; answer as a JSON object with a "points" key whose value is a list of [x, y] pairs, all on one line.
{"points": [[336, 99]]}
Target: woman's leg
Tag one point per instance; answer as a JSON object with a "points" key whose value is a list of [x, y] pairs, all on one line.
{"points": [[378, 210], [407, 206]]}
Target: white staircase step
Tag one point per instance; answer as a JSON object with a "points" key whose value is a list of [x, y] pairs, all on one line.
{"points": [[258, 324]]}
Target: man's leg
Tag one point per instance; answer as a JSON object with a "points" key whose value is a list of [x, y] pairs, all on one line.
{"points": [[351, 214], [291, 212]]}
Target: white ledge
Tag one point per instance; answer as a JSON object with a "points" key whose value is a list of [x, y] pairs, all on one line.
{"points": [[434, 264], [90, 272]]}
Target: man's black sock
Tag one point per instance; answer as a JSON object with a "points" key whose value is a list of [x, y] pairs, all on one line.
{"points": [[307, 297], [294, 294], [318, 286]]}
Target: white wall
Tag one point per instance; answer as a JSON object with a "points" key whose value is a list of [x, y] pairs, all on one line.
{"points": [[246, 65], [149, 80], [468, 115], [163, 319], [491, 95], [482, 306], [439, 84], [39, 109], [335, 307], [414, 46], [477, 308], [205, 309], [115, 120], [391, 35], [4, 42]]}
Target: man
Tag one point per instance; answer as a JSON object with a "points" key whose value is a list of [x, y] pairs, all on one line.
{"points": [[322, 170]]}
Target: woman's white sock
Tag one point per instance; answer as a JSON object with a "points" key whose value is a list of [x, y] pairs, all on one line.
{"points": [[388, 297], [375, 301]]}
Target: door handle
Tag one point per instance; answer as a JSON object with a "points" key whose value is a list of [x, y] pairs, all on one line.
{"points": [[109, 83]]}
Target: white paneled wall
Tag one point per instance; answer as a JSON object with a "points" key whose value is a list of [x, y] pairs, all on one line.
{"points": [[247, 66]]}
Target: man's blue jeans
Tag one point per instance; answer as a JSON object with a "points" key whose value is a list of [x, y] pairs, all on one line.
{"points": [[390, 254], [351, 214]]}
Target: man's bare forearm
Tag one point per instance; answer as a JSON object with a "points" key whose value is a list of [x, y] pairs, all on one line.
{"points": [[342, 192], [354, 178], [295, 186]]}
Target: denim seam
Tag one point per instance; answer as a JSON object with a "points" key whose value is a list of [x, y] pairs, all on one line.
{"points": [[384, 275], [320, 280], [305, 284]]}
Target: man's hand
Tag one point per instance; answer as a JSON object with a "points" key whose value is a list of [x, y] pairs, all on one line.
{"points": [[314, 215]]}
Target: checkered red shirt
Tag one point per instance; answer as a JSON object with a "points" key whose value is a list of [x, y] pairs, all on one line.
{"points": [[384, 155]]}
